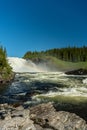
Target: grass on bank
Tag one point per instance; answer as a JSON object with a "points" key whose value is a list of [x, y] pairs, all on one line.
{"points": [[63, 65]]}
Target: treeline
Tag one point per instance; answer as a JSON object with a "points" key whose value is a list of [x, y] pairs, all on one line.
{"points": [[4, 66], [73, 54]]}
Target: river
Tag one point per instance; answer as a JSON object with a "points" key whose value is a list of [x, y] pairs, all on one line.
{"points": [[35, 84], [66, 92]]}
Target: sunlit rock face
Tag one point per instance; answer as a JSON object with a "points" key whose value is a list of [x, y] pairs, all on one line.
{"points": [[47, 117], [22, 65], [40, 117]]}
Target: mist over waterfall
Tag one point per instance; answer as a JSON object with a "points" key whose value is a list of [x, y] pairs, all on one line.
{"points": [[22, 65]]}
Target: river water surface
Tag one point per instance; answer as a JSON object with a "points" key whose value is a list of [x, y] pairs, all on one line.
{"points": [[66, 92]]}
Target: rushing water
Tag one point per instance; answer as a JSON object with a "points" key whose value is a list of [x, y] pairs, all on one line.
{"points": [[47, 84], [33, 85], [36, 87]]}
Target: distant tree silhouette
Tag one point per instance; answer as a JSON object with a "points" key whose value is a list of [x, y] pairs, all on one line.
{"points": [[73, 54]]}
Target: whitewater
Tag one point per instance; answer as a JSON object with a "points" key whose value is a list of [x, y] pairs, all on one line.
{"points": [[33, 85], [22, 65], [32, 82]]}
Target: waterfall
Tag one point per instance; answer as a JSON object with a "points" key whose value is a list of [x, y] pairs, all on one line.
{"points": [[22, 65]]}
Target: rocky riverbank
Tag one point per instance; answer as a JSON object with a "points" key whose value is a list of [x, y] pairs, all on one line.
{"points": [[6, 78], [77, 72], [40, 117]]}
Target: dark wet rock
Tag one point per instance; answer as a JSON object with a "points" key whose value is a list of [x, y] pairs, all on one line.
{"points": [[77, 72]]}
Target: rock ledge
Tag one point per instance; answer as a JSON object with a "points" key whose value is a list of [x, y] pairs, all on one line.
{"points": [[40, 117], [77, 72]]}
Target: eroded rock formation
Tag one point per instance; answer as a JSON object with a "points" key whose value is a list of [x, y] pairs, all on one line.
{"points": [[40, 117]]}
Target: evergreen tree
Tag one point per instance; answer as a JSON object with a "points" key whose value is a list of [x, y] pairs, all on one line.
{"points": [[4, 66], [73, 54]]}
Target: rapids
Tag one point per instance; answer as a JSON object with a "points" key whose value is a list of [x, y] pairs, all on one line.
{"points": [[33, 81], [32, 85]]}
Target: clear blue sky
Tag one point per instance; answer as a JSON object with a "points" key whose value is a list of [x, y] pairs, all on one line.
{"points": [[42, 24]]}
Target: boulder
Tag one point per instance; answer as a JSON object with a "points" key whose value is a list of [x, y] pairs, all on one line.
{"points": [[16, 119], [77, 72], [47, 117]]}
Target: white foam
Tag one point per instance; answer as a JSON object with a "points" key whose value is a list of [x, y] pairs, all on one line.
{"points": [[22, 65], [85, 81], [72, 92]]}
